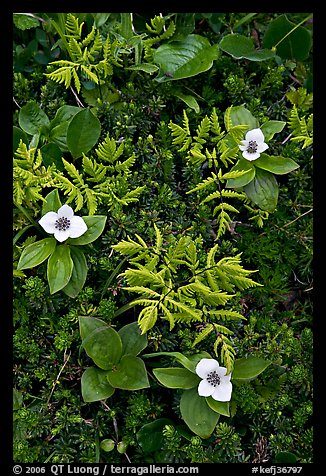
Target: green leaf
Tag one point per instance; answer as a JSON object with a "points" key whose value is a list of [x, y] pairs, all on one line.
{"points": [[83, 133], [94, 385], [248, 368], [291, 42], [52, 202], [79, 273], [276, 164], [129, 374], [18, 135], [189, 100], [87, 325], [263, 190], [174, 377], [103, 344], [188, 362], [133, 342], [32, 118], [240, 115], [35, 253], [25, 22], [196, 413], [285, 457], [146, 67], [240, 46], [59, 125], [184, 58], [52, 154], [242, 164], [270, 128], [95, 226], [59, 268], [223, 408], [150, 436], [64, 114]]}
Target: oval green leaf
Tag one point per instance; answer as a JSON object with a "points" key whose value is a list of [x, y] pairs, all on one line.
{"points": [[94, 385], [35, 253], [83, 133], [248, 368], [52, 154], [150, 437], [59, 268], [240, 46], [276, 164], [184, 58], [270, 128], [95, 226], [133, 341], [174, 377], [240, 115], [79, 273], [129, 374], [189, 100], [32, 118], [146, 67], [196, 413], [18, 135], [52, 202], [263, 190], [223, 408], [104, 346], [89, 324], [246, 165], [292, 42]]}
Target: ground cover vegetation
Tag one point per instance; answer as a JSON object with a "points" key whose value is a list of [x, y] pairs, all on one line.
{"points": [[162, 245]]}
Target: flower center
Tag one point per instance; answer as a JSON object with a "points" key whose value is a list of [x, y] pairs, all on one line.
{"points": [[62, 224], [213, 378], [252, 147]]}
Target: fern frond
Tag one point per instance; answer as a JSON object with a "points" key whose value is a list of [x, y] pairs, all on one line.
{"points": [[72, 26], [143, 276], [156, 26], [202, 133], [130, 247], [61, 75], [227, 351], [147, 318], [227, 118], [203, 334], [205, 183], [150, 293], [75, 51], [225, 314], [194, 314], [87, 71]]}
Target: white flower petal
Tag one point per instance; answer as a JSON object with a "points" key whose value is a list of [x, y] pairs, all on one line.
{"points": [[66, 211], [250, 155], [222, 392], [77, 227], [222, 374], [256, 135], [61, 235], [47, 222], [262, 147], [205, 366], [205, 389], [243, 147]]}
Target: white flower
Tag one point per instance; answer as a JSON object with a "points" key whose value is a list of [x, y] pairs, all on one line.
{"points": [[215, 382], [63, 224], [253, 145]]}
